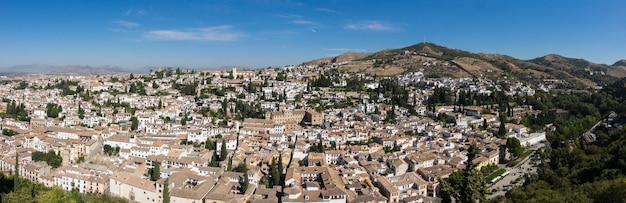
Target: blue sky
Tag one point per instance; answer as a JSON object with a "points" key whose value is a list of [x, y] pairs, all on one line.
{"points": [[261, 33]]}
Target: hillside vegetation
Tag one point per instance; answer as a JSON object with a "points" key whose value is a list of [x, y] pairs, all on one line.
{"points": [[27, 191], [573, 169]]}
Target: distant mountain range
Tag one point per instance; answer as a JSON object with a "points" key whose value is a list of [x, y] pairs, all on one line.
{"points": [[435, 60], [87, 70], [63, 70], [432, 59]]}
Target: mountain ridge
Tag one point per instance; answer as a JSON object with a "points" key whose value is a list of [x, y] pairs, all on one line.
{"points": [[436, 60]]}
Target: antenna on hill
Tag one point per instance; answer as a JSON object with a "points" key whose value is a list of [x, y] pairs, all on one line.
{"points": [[424, 39]]}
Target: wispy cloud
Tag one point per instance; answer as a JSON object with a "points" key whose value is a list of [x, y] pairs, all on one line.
{"points": [[141, 12], [328, 10], [288, 16], [302, 22], [370, 25], [299, 20], [127, 24], [213, 33]]}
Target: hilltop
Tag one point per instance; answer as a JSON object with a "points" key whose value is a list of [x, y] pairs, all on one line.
{"points": [[346, 57], [440, 61]]}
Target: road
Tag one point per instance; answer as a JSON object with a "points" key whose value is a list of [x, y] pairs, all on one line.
{"points": [[515, 172]]}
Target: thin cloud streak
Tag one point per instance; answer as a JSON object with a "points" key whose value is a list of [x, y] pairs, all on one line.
{"points": [[328, 10], [289, 16], [370, 25], [140, 12], [213, 33], [127, 24], [302, 22]]}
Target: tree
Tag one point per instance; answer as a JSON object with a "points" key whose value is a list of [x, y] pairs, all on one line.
{"points": [[156, 172], [183, 121], [246, 182], [16, 174], [514, 147], [76, 196], [501, 129], [53, 110], [275, 173], [166, 190], [280, 163], [223, 151], [81, 112], [466, 186], [214, 162], [55, 195], [473, 188], [9, 132], [134, 123], [230, 164], [208, 144], [52, 159], [107, 149]]}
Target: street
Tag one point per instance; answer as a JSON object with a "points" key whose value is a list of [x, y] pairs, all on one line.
{"points": [[515, 173]]}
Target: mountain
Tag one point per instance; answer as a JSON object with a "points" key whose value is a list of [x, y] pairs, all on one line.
{"points": [[349, 56], [620, 63], [64, 70], [619, 69], [440, 61]]}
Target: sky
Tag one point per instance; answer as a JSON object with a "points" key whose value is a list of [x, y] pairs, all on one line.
{"points": [[261, 33]]}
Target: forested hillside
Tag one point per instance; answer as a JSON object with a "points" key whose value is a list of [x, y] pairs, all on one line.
{"points": [[574, 169]]}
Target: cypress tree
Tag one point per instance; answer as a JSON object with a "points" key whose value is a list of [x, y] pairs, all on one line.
{"points": [[501, 129], [280, 169], [230, 164], [246, 182], [223, 151], [156, 172], [213, 162], [166, 191], [473, 188], [270, 181], [16, 175]]}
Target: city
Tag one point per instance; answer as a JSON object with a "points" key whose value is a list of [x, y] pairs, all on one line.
{"points": [[297, 135], [288, 101]]}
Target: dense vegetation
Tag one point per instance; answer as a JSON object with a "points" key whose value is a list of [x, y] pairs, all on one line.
{"points": [[52, 159], [573, 169], [467, 185], [53, 110], [32, 192], [15, 110]]}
